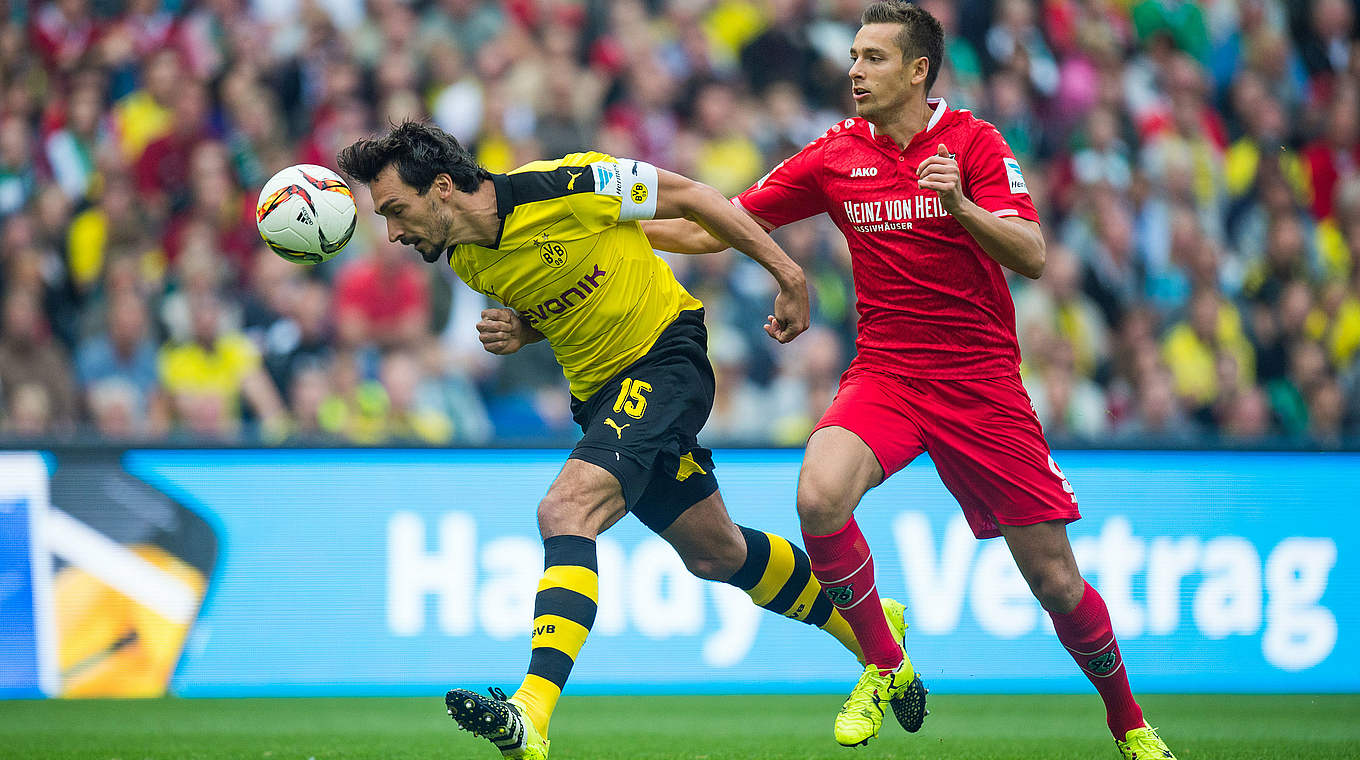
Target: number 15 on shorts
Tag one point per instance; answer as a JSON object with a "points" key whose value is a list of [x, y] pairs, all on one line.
{"points": [[631, 401]]}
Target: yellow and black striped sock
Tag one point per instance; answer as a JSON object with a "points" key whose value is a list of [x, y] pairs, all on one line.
{"points": [[777, 575], [564, 610]]}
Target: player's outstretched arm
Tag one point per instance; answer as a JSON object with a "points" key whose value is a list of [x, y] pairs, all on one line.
{"points": [[680, 197], [503, 332], [681, 236]]}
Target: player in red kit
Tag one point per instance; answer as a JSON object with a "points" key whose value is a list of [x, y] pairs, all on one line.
{"points": [[933, 205]]}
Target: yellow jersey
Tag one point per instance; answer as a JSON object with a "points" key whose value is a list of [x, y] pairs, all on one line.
{"points": [[572, 260]]}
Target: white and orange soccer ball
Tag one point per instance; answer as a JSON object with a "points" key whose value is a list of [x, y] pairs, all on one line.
{"points": [[306, 213]]}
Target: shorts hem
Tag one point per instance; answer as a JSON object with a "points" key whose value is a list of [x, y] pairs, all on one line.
{"points": [[1067, 518], [839, 423], [615, 465]]}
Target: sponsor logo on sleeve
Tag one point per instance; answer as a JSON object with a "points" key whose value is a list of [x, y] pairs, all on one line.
{"points": [[608, 178], [1015, 176]]}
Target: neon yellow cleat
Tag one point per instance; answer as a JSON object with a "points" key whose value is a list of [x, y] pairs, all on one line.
{"points": [[909, 708], [1143, 744], [498, 720], [861, 716]]}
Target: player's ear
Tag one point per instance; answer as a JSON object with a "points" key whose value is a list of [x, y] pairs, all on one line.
{"points": [[443, 184], [920, 68]]}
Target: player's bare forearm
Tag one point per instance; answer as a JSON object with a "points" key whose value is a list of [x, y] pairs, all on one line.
{"points": [[729, 226], [1012, 242], [683, 197], [681, 236]]}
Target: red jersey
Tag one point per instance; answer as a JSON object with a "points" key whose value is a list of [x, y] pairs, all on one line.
{"points": [[932, 303]]}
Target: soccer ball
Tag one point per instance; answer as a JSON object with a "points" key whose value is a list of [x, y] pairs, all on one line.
{"points": [[306, 213]]}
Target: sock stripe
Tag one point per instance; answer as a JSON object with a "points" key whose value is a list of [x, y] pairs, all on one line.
{"points": [[821, 610], [802, 606], [563, 602], [552, 665], [867, 560], [757, 557], [541, 686], [776, 573], [1098, 650], [1116, 671], [558, 632], [863, 595], [796, 584], [571, 577], [569, 550]]}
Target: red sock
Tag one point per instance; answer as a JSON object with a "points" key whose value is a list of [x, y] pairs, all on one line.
{"points": [[1089, 638], [843, 564]]}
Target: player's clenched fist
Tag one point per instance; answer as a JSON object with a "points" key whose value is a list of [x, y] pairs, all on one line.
{"points": [[940, 173], [792, 311], [501, 331]]}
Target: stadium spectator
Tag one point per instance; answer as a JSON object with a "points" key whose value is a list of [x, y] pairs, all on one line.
{"points": [[29, 412], [208, 374], [307, 394], [302, 338], [18, 175], [412, 415], [125, 353], [382, 299], [35, 374], [72, 151], [1212, 325]]}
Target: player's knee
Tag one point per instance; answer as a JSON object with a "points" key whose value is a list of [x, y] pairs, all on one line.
{"points": [[557, 517], [821, 510], [712, 567], [1058, 590]]}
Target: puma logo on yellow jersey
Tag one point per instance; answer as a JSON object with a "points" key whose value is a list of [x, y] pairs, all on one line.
{"points": [[572, 181], [615, 425]]}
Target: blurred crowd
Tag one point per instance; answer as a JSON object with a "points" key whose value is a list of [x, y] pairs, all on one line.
{"points": [[1196, 167]]}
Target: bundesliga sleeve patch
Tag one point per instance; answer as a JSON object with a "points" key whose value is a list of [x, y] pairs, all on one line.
{"points": [[608, 178], [1015, 176], [638, 188]]}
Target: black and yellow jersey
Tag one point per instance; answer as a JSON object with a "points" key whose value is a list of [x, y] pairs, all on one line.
{"points": [[573, 261]]}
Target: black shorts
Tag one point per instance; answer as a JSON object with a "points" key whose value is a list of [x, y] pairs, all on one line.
{"points": [[643, 424]]}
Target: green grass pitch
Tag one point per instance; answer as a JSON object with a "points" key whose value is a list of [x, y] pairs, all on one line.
{"points": [[1223, 727]]}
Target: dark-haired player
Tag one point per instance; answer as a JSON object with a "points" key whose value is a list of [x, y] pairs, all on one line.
{"points": [[559, 244], [933, 205]]}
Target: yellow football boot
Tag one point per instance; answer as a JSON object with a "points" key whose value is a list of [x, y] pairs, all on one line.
{"points": [[861, 716], [1143, 744]]}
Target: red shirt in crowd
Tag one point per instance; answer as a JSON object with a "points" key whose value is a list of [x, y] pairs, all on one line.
{"points": [[383, 294], [932, 303]]}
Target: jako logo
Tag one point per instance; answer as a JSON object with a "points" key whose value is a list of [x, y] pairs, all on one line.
{"points": [[864, 171], [581, 290]]}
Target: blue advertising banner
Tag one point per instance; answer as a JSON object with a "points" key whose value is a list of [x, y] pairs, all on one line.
{"points": [[407, 572], [26, 667], [226, 572]]}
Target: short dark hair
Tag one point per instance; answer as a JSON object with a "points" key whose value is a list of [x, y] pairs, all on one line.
{"points": [[420, 152], [921, 33]]}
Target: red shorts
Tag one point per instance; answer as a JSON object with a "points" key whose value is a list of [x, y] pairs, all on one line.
{"points": [[982, 435]]}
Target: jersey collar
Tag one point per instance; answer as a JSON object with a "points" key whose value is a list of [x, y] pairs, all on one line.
{"points": [[505, 202], [940, 107]]}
